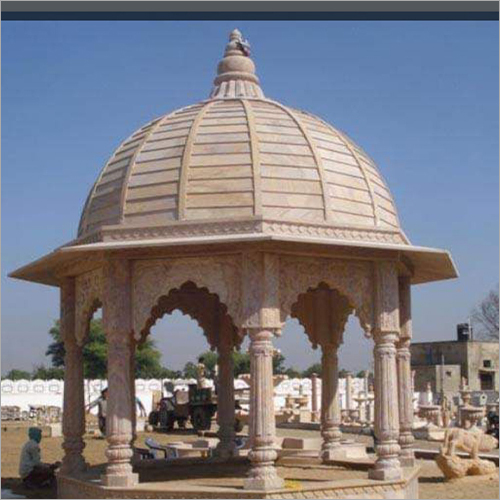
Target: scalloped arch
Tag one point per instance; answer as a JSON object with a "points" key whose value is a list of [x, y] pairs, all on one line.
{"points": [[353, 279]]}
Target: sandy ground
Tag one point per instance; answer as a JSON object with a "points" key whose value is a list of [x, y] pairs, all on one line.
{"points": [[431, 482]]}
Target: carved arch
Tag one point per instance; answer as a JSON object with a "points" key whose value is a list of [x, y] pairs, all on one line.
{"points": [[200, 305], [154, 279], [323, 313], [352, 279], [88, 299]]}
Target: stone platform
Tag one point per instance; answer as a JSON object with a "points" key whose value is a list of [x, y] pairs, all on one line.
{"points": [[198, 478]]}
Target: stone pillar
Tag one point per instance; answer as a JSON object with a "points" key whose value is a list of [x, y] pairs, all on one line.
{"points": [[405, 386], [225, 398], [348, 391], [132, 393], [386, 334], [118, 327], [73, 420], [314, 397], [262, 475], [330, 409]]}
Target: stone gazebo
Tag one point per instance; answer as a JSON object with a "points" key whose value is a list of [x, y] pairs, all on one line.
{"points": [[240, 212]]}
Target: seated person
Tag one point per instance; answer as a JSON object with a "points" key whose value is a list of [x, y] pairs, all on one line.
{"points": [[33, 472]]}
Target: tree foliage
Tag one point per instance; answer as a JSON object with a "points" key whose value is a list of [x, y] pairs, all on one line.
{"points": [[486, 316], [15, 374], [315, 368], [147, 356], [44, 373]]}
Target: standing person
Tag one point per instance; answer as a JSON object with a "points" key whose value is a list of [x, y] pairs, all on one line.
{"points": [[33, 472], [101, 403]]}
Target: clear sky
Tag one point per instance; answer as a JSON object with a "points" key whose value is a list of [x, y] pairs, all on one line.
{"points": [[420, 97]]}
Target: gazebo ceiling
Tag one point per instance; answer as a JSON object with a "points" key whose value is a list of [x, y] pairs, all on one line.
{"points": [[239, 167]]}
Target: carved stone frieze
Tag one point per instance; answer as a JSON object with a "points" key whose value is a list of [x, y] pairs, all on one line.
{"points": [[226, 227], [152, 279], [352, 279], [89, 298], [260, 291]]}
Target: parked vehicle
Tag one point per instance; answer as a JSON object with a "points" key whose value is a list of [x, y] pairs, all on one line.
{"points": [[196, 405]]}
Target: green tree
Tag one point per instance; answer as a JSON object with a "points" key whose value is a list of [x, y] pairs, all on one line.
{"points": [[147, 356], [278, 363], [44, 373], [315, 368], [241, 363], [291, 372], [189, 370], [15, 374]]}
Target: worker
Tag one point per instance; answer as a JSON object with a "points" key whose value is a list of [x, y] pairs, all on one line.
{"points": [[33, 472], [101, 402], [201, 380]]}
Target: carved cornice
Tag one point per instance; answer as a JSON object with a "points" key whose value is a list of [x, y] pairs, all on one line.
{"points": [[238, 227]]}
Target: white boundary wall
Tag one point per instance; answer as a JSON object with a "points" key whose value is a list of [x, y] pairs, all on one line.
{"points": [[24, 393]]}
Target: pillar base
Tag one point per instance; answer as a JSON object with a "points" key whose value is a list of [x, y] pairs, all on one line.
{"points": [[73, 466], [225, 452], [269, 480], [407, 461], [120, 481], [386, 472], [336, 453]]}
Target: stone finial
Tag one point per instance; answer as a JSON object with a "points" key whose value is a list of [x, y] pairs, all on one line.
{"points": [[236, 71]]}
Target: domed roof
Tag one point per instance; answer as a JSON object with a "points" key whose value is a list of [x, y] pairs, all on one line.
{"points": [[238, 157], [237, 169]]}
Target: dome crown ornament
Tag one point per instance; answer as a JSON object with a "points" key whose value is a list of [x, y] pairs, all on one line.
{"points": [[236, 76]]}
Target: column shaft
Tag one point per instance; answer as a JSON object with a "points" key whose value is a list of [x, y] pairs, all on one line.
{"points": [[117, 325], [405, 397], [73, 422], [225, 402], [386, 425], [330, 408], [262, 475]]}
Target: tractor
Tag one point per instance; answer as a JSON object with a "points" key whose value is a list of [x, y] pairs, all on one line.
{"points": [[197, 405]]}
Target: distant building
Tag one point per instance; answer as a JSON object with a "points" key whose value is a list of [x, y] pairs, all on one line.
{"points": [[444, 363]]}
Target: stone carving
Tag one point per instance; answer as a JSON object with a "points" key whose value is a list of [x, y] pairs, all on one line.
{"points": [[154, 278], [472, 443], [454, 467], [117, 325], [74, 415], [260, 291], [262, 475], [88, 300], [353, 279]]}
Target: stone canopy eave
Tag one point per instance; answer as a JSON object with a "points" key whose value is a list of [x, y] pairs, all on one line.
{"points": [[425, 264]]}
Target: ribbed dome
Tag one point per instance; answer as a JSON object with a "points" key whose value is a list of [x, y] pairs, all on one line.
{"points": [[238, 156]]}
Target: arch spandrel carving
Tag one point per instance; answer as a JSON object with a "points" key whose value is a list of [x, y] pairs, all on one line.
{"points": [[200, 305], [353, 279], [89, 290], [153, 279], [323, 313]]}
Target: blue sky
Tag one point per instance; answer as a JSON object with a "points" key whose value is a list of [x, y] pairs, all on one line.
{"points": [[420, 97]]}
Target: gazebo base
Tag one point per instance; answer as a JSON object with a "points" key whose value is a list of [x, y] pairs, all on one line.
{"points": [[208, 479]]}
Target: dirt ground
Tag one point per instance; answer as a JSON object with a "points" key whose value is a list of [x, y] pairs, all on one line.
{"points": [[431, 482]]}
